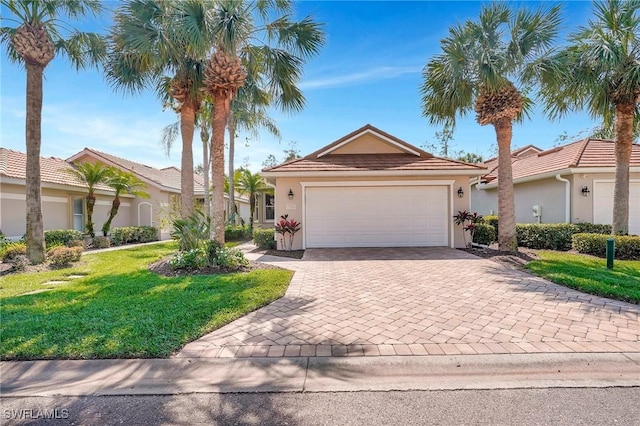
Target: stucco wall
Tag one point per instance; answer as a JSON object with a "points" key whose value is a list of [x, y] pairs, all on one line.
{"points": [[295, 208]]}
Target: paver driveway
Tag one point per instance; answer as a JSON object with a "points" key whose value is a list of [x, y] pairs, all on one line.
{"points": [[420, 301]]}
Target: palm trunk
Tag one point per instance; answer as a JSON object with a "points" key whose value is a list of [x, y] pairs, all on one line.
{"points": [[115, 205], [91, 202], [35, 224], [231, 211], [187, 126], [624, 141], [252, 209], [220, 112], [507, 239], [204, 134]]}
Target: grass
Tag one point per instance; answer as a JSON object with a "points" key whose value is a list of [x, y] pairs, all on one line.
{"points": [[590, 274], [119, 309]]}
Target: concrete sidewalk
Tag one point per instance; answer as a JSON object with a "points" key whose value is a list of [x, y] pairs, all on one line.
{"points": [[317, 374]]}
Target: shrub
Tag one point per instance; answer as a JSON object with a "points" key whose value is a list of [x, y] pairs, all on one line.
{"points": [[626, 247], [62, 237], [189, 259], [3, 240], [133, 234], [191, 232], [101, 242], [265, 238], [484, 233], [75, 243], [287, 228], [62, 256], [10, 251], [549, 236], [591, 228], [492, 220], [230, 258], [236, 233]]}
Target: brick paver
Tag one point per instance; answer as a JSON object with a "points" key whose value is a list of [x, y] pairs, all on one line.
{"points": [[420, 301]]}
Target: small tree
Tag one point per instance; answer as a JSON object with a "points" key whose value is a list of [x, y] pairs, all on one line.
{"points": [[91, 174], [123, 183]]}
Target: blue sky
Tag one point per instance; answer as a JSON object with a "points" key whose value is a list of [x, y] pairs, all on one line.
{"points": [[368, 72]]}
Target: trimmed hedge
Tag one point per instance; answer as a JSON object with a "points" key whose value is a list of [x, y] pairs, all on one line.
{"points": [[593, 228], [133, 234], [626, 247], [61, 237], [265, 238], [548, 236], [236, 233], [483, 233]]}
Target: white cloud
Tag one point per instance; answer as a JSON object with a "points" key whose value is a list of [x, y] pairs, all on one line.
{"points": [[373, 74]]}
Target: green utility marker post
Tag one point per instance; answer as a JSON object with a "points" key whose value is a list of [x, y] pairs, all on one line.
{"points": [[611, 246]]}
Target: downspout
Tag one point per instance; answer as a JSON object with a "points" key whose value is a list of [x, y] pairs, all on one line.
{"points": [[567, 201]]}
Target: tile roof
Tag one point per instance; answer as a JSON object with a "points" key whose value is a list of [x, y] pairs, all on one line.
{"points": [[584, 153], [52, 169], [418, 161], [168, 177]]}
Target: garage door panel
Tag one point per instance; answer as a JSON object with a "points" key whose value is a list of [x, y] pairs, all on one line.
{"points": [[603, 204], [376, 216]]}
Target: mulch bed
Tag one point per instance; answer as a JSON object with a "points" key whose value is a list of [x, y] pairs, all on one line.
{"points": [[293, 254], [162, 267], [512, 260]]}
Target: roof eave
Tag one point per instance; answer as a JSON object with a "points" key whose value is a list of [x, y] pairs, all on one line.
{"points": [[363, 173]]}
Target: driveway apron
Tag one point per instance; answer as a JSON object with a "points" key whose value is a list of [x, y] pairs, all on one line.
{"points": [[420, 301]]}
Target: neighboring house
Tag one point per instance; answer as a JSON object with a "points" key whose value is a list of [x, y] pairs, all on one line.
{"points": [[63, 196], [371, 189], [569, 183]]}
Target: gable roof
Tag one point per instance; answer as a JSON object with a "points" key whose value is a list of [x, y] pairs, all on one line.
{"points": [[586, 153], [167, 178], [407, 159], [13, 164]]}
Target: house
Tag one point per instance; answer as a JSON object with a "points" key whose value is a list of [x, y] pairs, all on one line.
{"points": [[570, 183], [371, 189], [63, 196]]}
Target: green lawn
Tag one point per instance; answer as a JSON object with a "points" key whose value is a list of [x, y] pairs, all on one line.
{"points": [[590, 274], [119, 309]]}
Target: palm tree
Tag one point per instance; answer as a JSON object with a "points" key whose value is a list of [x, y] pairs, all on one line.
{"points": [[248, 112], [91, 174], [164, 44], [251, 184], [40, 34], [270, 53], [123, 183], [600, 71], [479, 63]]}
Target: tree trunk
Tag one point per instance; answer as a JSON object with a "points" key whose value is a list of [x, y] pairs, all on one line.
{"points": [[206, 160], [252, 209], [35, 224], [115, 205], [507, 239], [624, 141], [91, 202], [231, 211], [220, 113], [187, 126]]}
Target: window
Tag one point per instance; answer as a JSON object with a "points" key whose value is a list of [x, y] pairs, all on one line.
{"points": [[269, 208], [78, 214]]}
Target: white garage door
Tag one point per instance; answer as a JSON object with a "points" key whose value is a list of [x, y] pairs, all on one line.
{"points": [[603, 204], [376, 216]]}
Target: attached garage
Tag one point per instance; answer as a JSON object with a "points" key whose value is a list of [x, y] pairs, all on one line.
{"points": [[603, 204], [377, 215], [371, 189]]}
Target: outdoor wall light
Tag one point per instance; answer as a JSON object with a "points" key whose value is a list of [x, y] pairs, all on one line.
{"points": [[585, 191], [460, 192], [290, 194]]}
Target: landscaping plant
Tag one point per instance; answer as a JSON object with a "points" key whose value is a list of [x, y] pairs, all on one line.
{"points": [[287, 228]]}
